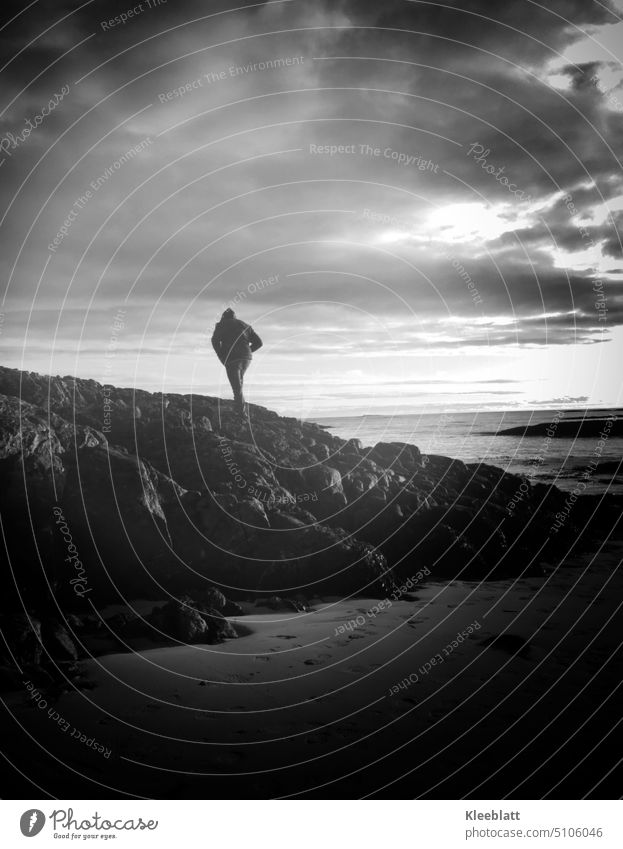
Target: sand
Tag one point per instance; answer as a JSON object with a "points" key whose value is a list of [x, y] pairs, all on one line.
{"points": [[353, 699]]}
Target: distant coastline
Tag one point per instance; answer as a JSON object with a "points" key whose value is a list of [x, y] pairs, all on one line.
{"points": [[579, 428], [577, 411]]}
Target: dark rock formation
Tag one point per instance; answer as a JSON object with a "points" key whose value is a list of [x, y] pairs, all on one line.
{"points": [[113, 494], [185, 621]]}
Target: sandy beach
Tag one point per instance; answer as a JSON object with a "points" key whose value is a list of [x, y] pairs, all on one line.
{"points": [[356, 697]]}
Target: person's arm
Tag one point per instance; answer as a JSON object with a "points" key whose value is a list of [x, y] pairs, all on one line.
{"points": [[217, 344], [254, 340]]}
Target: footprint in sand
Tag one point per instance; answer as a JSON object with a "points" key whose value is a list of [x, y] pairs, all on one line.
{"points": [[438, 714], [510, 643], [230, 759], [315, 661], [319, 737]]}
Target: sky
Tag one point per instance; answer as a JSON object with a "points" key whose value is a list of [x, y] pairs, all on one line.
{"points": [[417, 205]]}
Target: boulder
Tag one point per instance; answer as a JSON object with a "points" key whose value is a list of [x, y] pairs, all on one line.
{"points": [[387, 454], [325, 484], [22, 633], [353, 445], [57, 641], [232, 608], [188, 621], [320, 451], [213, 598], [180, 621], [113, 505], [219, 629]]}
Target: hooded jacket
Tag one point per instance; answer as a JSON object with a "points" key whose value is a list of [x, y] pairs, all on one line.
{"points": [[234, 339]]}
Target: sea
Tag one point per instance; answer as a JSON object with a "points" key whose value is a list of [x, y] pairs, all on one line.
{"points": [[473, 437]]}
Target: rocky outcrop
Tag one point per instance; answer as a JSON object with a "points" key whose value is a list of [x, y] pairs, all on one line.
{"points": [[113, 494]]}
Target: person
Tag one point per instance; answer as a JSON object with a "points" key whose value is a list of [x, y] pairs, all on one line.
{"points": [[235, 342]]}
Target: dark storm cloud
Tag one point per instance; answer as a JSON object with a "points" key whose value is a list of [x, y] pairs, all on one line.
{"points": [[582, 76], [511, 25]]}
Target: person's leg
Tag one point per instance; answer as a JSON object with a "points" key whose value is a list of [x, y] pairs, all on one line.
{"points": [[235, 373], [243, 365]]}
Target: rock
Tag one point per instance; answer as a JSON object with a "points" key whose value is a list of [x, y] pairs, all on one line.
{"points": [[285, 521], [128, 625], [353, 445], [181, 621], [251, 512], [213, 597], [22, 633], [325, 487], [188, 621], [320, 451], [610, 467], [232, 608], [114, 507], [388, 453], [9, 679], [181, 492], [57, 641], [219, 629]]}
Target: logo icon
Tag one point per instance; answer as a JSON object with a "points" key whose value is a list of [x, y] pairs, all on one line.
{"points": [[32, 822]]}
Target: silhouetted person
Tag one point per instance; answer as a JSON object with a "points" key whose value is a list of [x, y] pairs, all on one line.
{"points": [[234, 342]]}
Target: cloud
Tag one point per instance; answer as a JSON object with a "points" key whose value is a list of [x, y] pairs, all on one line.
{"points": [[271, 130]]}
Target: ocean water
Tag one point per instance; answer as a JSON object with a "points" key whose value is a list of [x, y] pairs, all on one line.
{"points": [[472, 437]]}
